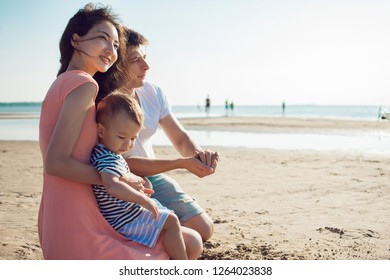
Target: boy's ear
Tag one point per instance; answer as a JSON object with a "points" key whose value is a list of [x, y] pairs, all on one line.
{"points": [[100, 130]]}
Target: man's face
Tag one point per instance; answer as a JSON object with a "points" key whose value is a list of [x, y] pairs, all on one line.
{"points": [[138, 67]]}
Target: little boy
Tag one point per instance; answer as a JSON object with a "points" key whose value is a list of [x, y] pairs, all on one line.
{"points": [[129, 209]]}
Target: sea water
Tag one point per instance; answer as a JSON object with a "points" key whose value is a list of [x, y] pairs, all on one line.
{"points": [[300, 111], [369, 143], [304, 111], [375, 142]]}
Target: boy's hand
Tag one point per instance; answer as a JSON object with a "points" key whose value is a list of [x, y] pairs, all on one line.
{"points": [[136, 183], [151, 205], [148, 187]]}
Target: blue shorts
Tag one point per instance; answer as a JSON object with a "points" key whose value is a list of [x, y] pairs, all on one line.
{"points": [[168, 192]]}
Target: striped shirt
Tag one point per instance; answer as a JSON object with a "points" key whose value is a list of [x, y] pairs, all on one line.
{"points": [[116, 211]]}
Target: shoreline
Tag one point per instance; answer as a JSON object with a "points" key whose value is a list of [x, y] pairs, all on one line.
{"points": [[261, 123], [6, 116], [284, 124]]}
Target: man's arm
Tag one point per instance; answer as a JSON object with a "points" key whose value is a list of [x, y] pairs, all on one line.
{"points": [[147, 167], [179, 137], [194, 159], [184, 144]]}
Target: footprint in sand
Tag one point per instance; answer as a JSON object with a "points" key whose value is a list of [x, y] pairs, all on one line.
{"points": [[353, 234]]}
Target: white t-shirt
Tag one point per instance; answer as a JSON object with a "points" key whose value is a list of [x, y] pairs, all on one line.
{"points": [[155, 106]]}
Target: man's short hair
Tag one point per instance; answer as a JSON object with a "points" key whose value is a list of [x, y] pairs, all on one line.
{"points": [[134, 39]]}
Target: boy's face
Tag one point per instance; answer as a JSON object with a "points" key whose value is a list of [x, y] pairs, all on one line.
{"points": [[119, 134]]}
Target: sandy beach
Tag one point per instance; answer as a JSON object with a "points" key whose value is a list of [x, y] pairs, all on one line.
{"points": [[266, 204]]}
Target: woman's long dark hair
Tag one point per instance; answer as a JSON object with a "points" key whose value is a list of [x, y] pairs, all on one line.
{"points": [[133, 40], [80, 24]]}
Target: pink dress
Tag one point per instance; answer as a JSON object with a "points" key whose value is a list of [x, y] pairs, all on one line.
{"points": [[69, 222]]}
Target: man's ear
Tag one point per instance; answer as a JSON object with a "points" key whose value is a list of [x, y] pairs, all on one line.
{"points": [[100, 130]]}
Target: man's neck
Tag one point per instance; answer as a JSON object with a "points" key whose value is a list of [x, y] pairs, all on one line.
{"points": [[128, 90]]}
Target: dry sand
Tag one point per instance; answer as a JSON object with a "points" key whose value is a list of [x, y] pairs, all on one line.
{"points": [[266, 204]]}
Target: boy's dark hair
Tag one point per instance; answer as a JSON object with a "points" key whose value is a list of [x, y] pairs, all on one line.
{"points": [[116, 102]]}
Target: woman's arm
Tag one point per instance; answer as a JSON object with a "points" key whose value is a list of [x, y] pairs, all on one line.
{"points": [[59, 161]]}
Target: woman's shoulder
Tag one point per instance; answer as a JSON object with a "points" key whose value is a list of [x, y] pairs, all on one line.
{"points": [[76, 76], [73, 79], [68, 82]]}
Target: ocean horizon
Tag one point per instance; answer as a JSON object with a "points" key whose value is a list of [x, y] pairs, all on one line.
{"points": [[358, 112], [26, 128]]}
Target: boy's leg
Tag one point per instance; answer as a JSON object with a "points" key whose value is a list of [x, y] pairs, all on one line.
{"points": [[173, 238], [193, 241]]}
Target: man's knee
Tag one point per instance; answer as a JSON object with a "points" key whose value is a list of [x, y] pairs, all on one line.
{"points": [[202, 224]]}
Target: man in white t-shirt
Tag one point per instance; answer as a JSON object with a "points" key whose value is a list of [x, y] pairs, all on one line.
{"points": [[142, 159]]}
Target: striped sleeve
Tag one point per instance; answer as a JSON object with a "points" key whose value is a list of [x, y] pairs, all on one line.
{"points": [[106, 161], [116, 211]]}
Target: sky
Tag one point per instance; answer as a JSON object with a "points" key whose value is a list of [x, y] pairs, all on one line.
{"points": [[251, 52]]}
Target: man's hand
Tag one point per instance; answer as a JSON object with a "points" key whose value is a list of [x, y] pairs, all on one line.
{"points": [[208, 158], [199, 168]]}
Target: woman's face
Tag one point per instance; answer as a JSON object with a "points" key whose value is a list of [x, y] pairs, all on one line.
{"points": [[98, 49], [136, 61]]}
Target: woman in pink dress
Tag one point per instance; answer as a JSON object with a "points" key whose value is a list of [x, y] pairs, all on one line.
{"points": [[70, 224]]}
